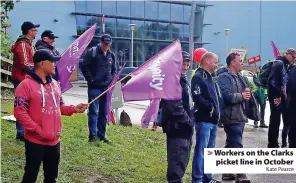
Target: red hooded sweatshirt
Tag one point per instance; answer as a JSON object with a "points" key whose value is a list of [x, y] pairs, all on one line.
{"points": [[23, 51], [38, 108]]}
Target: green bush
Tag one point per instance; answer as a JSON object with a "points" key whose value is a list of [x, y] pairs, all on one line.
{"points": [[6, 44]]}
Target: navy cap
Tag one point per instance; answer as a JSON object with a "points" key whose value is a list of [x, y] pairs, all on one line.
{"points": [[43, 54], [28, 25], [106, 39], [49, 34]]}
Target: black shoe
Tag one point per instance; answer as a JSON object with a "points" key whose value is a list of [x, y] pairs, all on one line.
{"points": [[214, 181], [263, 125], [228, 176], [242, 179], [92, 138], [284, 145], [107, 141], [20, 137], [255, 124]]}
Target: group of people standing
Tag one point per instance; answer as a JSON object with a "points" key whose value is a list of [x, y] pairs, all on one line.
{"points": [[206, 101], [223, 98]]}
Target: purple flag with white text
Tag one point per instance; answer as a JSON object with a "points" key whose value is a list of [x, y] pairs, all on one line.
{"points": [[150, 114], [276, 52], [70, 58], [158, 78], [109, 94]]}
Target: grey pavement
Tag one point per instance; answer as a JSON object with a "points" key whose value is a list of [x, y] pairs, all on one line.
{"points": [[253, 138]]}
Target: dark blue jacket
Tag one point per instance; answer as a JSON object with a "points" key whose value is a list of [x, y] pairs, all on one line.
{"points": [[277, 78], [176, 114], [43, 45], [234, 106], [206, 97], [100, 69]]}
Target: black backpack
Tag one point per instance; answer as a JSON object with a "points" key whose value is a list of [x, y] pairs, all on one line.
{"points": [[125, 120], [265, 72]]}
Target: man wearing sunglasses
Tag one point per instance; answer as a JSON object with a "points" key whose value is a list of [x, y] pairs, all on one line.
{"points": [[98, 68], [23, 51], [47, 42], [277, 97]]}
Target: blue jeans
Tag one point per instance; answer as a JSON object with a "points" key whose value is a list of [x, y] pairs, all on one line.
{"points": [[18, 126], [205, 138], [97, 113]]}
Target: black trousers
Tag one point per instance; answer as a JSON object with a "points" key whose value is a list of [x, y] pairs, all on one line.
{"points": [[262, 107], [35, 154], [292, 121], [274, 124], [178, 154]]}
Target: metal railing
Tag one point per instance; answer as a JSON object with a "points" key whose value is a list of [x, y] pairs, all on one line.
{"points": [[6, 72]]}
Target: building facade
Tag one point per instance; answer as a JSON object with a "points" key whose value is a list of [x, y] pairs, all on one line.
{"points": [[252, 25]]}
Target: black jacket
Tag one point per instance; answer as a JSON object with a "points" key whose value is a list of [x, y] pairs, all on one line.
{"points": [[176, 114], [206, 97], [291, 87], [100, 69], [277, 80], [43, 45]]}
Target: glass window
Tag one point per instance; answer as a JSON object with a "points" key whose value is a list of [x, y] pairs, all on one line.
{"points": [[177, 31], [187, 12], [80, 24], [140, 29], [123, 28], [185, 47], [137, 9], [138, 53], [91, 20], [110, 26], [164, 11], [164, 31], [151, 30], [122, 52], [124, 8], [151, 10], [109, 7], [177, 12], [150, 49], [94, 7], [185, 33], [161, 46], [80, 6]]}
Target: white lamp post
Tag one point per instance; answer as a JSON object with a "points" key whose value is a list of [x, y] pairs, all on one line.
{"points": [[226, 33], [132, 29]]}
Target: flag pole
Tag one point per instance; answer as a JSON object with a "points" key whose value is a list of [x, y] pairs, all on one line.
{"points": [[108, 89]]}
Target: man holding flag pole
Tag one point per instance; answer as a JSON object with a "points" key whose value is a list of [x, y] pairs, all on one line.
{"points": [[99, 69]]}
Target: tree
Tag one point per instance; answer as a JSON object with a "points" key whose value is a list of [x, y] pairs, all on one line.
{"points": [[6, 6]]}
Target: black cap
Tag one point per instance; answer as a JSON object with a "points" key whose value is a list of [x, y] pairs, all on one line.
{"points": [[106, 39], [28, 25], [43, 54], [49, 34], [186, 56]]}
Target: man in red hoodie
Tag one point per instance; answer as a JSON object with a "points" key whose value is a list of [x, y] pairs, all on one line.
{"points": [[38, 108], [23, 51]]}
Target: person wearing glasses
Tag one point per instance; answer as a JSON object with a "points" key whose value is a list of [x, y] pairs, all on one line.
{"points": [[47, 42], [23, 51], [99, 68], [277, 97]]}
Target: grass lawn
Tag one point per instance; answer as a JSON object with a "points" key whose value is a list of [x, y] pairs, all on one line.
{"points": [[136, 155]]}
